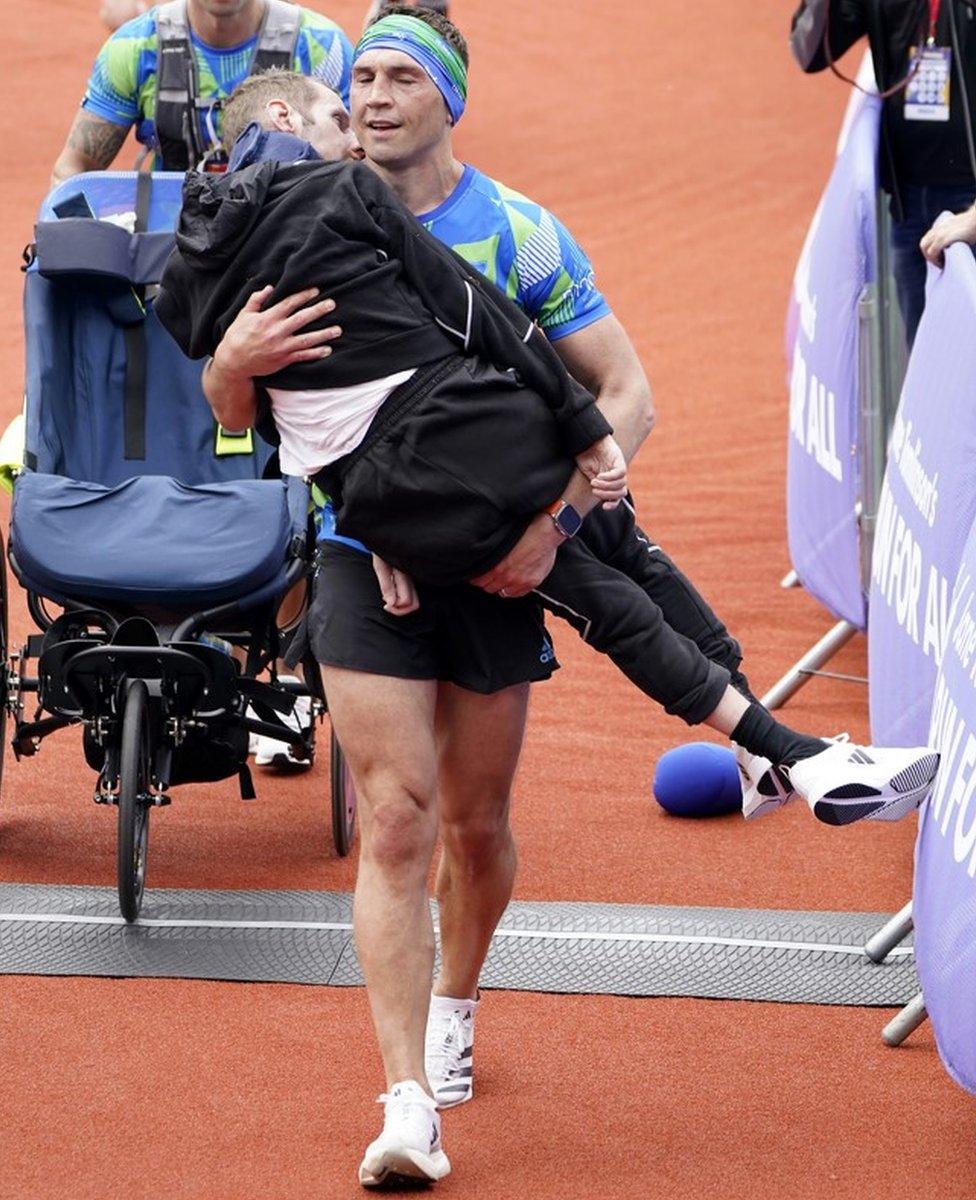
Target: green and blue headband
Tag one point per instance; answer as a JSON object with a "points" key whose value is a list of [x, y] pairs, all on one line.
{"points": [[428, 49]]}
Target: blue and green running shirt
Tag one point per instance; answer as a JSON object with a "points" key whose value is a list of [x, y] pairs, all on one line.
{"points": [[122, 86], [523, 250]]}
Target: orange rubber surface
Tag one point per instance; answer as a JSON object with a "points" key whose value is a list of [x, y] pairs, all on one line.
{"points": [[687, 153]]}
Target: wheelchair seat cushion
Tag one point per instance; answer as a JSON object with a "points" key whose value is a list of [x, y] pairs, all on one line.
{"points": [[150, 540]]}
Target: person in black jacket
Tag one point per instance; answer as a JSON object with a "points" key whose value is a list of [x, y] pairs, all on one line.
{"points": [[456, 424], [928, 159]]}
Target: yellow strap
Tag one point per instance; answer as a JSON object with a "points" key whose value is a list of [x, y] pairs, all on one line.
{"points": [[12, 452], [233, 443]]}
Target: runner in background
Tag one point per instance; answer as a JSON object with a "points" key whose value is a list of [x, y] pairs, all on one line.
{"points": [[210, 46], [116, 12]]}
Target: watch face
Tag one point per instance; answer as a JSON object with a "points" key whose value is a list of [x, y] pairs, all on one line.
{"points": [[569, 520]]}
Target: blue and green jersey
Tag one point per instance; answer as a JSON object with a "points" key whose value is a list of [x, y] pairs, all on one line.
{"points": [[122, 86], [523, 250]]}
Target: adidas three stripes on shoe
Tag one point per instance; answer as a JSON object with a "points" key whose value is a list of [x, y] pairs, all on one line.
{"points": [[846, 783], [448, 1049]]}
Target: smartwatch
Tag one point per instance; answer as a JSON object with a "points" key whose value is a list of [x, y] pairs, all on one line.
{"points": [[566, 519]]}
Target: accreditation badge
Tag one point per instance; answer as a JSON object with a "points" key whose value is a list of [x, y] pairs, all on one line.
{"points": [[927, 93]]}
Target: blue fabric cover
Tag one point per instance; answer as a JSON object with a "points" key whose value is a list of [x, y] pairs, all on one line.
{"points": [[151, 539], [698, 780], [79, 245], [76, 361], [183, 527], [76, 396]]}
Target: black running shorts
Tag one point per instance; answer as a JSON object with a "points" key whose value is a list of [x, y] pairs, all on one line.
{"points": [[459, 635]]}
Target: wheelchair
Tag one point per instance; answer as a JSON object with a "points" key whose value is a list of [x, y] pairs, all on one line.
{"points": [[155, 548]]}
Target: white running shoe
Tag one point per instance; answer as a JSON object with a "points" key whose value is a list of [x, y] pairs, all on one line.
{"points": [[280, 756], [764, 787], [448, 1049], [408, 1151], [846, 783]]}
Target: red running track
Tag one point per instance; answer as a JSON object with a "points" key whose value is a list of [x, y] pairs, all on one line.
{"points": [[687, 153]]}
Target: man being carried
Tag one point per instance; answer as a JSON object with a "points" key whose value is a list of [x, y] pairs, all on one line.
{"points": [[445, 423]]}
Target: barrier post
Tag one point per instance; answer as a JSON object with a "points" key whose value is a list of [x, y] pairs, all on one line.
{"points": [[893, 347], [870, 386], [881, 944], [815, 658], [881, 371], [905, 1022]]}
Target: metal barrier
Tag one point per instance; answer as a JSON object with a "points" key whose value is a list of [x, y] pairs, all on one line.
{"points": [[882, 358], [881, 371]]}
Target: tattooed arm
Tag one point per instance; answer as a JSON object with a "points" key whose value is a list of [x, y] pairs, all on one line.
{"points": [[91, 146]]}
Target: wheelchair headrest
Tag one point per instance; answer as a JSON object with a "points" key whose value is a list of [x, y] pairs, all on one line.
{"points": [[84, 246]]}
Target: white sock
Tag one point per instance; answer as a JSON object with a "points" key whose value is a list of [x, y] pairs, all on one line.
{"points": [[410, 1089], [448, 1004]]}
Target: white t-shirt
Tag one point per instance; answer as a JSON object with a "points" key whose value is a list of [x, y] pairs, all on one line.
{"points": [[317, 427]]}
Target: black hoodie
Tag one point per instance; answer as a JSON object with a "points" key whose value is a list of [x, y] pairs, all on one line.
{"points": [[402, 298]]}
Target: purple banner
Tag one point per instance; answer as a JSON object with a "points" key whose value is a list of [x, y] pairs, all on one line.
{"points": [[944, 905], [927, 508], [838, 259]]}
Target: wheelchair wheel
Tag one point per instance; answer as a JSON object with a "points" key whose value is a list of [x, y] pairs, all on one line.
{"points": [[134, 802], [343, 801]]}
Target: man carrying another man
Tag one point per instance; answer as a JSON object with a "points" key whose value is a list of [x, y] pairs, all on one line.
{"points": [[396, 782]]}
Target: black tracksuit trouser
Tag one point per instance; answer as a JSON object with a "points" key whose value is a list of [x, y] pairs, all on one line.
{"points": [[616, 539], [613, 614], [451, 471], [658, 629]]}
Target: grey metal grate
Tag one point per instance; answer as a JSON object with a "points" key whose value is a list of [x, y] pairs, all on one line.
{"points": [[611, 949]]}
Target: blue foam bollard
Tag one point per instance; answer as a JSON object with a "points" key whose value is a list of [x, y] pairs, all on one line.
{"points": [[698, 780]]}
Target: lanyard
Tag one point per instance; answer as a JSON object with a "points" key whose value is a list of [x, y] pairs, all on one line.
{"points": [[934, 6]]}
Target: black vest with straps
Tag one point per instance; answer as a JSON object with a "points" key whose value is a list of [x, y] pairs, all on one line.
{"points": [[181, 141]]}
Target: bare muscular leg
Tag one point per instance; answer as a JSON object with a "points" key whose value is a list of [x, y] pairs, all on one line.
{"points": [[386, 727], [479, 738]]}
